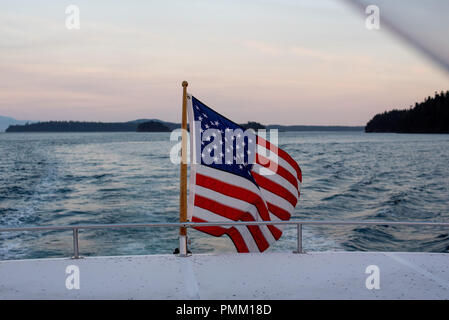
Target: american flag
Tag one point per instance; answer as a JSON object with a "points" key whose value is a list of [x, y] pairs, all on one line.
{"points": [[236, 175]]}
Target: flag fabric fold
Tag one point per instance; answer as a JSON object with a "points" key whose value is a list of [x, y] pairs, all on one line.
{"points": [[236, 175]]}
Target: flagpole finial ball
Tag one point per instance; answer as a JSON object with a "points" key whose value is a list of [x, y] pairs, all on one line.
{"points": [[185, 83]]}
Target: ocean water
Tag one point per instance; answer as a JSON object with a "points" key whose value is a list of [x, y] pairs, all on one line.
{"points": [[94, 178]]}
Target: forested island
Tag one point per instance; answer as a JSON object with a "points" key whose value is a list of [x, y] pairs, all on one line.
{"points": [[314, 128], [429, 116], [152, 126], [79, 126], [72, 126], [252, 125]]}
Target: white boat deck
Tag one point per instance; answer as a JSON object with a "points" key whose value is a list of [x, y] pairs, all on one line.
{"points": [[324, 275]]}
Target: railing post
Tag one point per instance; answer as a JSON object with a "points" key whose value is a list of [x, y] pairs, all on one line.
{"points": [[299, 239], [76, 253]]}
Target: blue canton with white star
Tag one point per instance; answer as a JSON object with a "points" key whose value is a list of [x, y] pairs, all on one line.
{"points": [[224, 149]]}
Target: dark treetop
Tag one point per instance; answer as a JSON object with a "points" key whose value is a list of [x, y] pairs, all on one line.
{"points": [[429, 116], [252, 125], [152, 126]]}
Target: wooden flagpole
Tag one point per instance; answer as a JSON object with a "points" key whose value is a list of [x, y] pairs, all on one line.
{"points": [[183, 180]]}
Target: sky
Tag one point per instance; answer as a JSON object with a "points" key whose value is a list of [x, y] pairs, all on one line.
{"points": [[276, 62]]}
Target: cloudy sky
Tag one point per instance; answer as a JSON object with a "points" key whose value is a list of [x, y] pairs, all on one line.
{"points": [[286, 62]]}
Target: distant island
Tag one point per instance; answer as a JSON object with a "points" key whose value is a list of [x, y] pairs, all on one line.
{"points": [[152, 126], [314, 128], [252, 125], [72, 126], [429, 116], [148, 125], [142, 125]]}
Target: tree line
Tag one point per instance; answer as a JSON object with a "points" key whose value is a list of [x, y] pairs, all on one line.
{"points": [[428, 116], [73, 126]]}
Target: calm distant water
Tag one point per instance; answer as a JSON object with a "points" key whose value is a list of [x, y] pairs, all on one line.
{"points": [[64, 179]]}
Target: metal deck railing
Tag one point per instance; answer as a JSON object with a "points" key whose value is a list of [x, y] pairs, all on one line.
{"points": [[298, 223]]}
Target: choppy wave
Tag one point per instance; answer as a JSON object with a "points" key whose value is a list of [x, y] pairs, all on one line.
{"points": [[63, 179]]}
